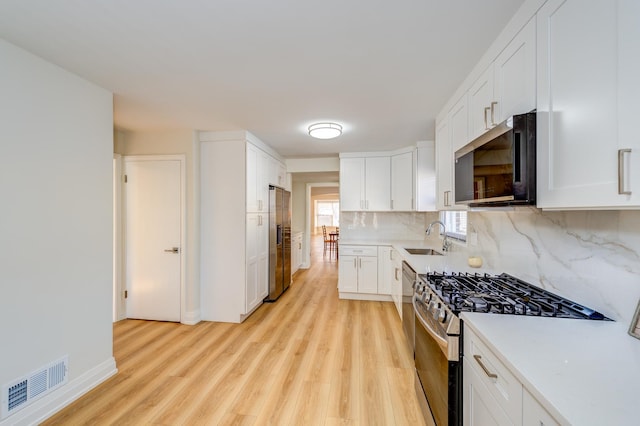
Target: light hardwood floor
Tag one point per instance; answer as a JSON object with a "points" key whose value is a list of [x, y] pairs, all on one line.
{"points": [[308, 359]]}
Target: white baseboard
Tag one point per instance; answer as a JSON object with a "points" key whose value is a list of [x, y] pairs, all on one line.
{"points": [[365, 296], [191, 318], [50, 404]]}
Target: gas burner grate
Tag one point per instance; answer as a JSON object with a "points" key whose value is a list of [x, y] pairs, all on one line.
{"points": [[503, 294]]}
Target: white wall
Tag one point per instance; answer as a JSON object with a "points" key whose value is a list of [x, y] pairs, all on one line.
{"points": [[55, 225], [176, 142]]}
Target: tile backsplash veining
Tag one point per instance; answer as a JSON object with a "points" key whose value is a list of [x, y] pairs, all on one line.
{"points": [[592, 257], [384, 225]]}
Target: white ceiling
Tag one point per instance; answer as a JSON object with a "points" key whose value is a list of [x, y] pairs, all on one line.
{"points": [[381, 68]]}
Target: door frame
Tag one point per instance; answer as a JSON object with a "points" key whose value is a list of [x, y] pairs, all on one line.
{"points": [[183, 224], [119, 307], [306, 263]]}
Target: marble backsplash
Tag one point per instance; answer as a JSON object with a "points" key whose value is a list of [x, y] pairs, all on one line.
{"points": [[591, 257], [384, 225]]}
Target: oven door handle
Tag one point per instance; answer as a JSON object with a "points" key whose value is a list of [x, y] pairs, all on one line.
{"points": [[443, 343]]}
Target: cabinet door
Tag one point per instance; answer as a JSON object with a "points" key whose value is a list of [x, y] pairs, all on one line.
{"points": [[458, 137], [402, 179], [444, 164], [481, 105], [377, 183], [252, 178], [348, 273], [281, 175], [587, 104], [262, 239], [459, 124], [385, 270], [252, 255], [396, 281], [533, 414], [479, 406], [352, 184], [515, 76], [425, 177], [368, 274]]}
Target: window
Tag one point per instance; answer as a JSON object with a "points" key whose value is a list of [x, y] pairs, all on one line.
{"points": [[456, 224], [327, 213]]}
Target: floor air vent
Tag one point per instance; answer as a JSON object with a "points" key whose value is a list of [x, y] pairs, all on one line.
{"points": [[23, 391]]}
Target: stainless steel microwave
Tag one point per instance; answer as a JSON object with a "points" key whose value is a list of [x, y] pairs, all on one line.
{"points": [[499, 167]]}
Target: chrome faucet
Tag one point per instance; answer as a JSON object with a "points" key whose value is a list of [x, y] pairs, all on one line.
{"points": [[446, 244]]}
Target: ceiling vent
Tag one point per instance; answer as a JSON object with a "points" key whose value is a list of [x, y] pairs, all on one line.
{"points": [[25, 390]]}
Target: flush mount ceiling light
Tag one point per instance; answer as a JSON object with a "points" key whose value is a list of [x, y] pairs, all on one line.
{"points": [[325, 130]]}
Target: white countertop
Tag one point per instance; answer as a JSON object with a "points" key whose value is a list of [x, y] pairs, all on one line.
{"points": [[449, 262], [584, 372]]}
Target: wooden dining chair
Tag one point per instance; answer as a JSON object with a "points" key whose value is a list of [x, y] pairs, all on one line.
{"points": [[327, 241]]}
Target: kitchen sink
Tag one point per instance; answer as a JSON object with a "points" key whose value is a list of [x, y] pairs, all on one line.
{"points": [[423, 251]]}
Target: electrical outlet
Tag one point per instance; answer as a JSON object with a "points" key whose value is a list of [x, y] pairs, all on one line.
{"points": [[472, 239]]}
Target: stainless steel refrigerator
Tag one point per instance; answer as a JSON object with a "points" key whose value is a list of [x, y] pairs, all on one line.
{"points": [[279, 242]]}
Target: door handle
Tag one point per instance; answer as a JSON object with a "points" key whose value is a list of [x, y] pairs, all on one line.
{"points": [[493, 114], [486, 122], [491, 375], [621, 172], [173, 250]]}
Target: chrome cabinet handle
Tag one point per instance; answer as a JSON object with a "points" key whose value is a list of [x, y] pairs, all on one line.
{"points": [[395, 273], [478, 359], [391, 204], [486, 124], [172, 250], [621, 171], [493, 112], [355, 265]]}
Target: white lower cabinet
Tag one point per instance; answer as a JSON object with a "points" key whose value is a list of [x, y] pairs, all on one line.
{"points": [[257, 260], [534, 414], [492, 394], [384, 270], [296, 252], [479, 406], [358, 269], [396, 281]]}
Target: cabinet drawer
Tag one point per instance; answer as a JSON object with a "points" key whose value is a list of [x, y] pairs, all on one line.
{"points": [[359, 250], [504, 386], [534, 414]]}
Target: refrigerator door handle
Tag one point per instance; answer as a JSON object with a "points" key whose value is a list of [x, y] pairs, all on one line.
{"points": [[279, 234]]}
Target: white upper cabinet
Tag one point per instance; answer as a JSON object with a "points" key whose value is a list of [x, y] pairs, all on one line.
{"points": [[459, 123], [425, 180], [402, 182], [588, 91], [458, 132], [365, 183], [515, 77], [352, 184], [444, 165], [378, 183], [482, 105], [258, 171], [507, 86]]}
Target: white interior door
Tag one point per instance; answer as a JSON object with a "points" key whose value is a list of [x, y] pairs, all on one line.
{"points": [[153, 204]]}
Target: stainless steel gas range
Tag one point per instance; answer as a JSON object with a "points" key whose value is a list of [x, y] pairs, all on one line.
{"points": [[438, 299]]}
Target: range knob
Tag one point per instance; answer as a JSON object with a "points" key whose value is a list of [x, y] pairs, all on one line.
{"points": [[442, 316], [435, 309]]}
